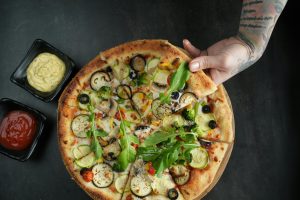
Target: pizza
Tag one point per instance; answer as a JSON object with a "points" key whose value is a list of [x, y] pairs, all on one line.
{"points": [[135, 123]]}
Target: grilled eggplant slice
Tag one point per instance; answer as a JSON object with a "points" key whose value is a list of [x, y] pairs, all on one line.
{"points": [[103, 175], [124, 91], [138, 63], [180, 174], [140, 186]]}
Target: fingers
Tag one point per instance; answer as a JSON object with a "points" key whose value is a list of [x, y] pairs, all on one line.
{"points": [[204, 62], [190, 48]]}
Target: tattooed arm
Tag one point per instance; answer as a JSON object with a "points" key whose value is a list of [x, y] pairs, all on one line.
{"points": [[231, 56]]}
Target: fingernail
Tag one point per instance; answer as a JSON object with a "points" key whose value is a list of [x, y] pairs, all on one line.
{"points": [[194, 66]]}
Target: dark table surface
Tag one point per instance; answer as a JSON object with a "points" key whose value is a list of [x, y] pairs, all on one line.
{"points": [[264, 97]]}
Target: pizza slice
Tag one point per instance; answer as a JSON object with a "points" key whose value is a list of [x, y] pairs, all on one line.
{"points": [[144, 184], [195, 178]]}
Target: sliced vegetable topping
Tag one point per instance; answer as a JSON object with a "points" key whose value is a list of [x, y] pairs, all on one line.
{"points": [[160, 110], [187, 99], [83, 98], [81, 151], [86, 161], [200, 158], [80, 125], [138, 63], [120, 183], [152, 64], [103, 175], [160, 81], [111, 151], [173, 194], [121, 71], [124, 91], [180, 174], [132, 116], [140, 186], [99, 79]]}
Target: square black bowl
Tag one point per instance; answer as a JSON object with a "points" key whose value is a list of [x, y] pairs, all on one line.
{"points": [[19, 76], [7, 105]]}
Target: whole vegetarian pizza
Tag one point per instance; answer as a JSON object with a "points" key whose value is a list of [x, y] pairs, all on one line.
{"points": [[135, 123]]}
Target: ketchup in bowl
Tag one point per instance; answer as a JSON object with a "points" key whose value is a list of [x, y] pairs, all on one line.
{"points": [[17, 130]]}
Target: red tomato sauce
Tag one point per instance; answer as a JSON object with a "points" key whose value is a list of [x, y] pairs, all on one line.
{"points": [[17, 130]]}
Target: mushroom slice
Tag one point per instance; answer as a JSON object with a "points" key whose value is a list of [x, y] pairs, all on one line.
{"points": [[99, 79]]}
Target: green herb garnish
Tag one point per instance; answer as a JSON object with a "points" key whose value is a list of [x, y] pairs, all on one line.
{"points": [[94, 133], [178, 80], [128, 152], [163, 149]]}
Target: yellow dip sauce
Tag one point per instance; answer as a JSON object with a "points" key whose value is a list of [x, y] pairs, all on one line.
{"points": [[45, 72]]}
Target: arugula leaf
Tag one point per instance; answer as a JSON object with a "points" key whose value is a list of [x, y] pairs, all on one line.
{"points": [[94, 133], [158, 137], [177, 82], [166, 158], [149, 153], [128, 152]]}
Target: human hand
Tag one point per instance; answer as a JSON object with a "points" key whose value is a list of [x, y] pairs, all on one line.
{"points": [[222, 60]]}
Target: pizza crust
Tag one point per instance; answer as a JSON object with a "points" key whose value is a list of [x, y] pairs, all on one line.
{"points": [[221, 107]]}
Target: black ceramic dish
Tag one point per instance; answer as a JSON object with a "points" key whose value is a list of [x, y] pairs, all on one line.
{"points": [[7, 105], [19, 75]]}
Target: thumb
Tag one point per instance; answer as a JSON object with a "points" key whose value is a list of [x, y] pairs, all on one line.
{"points": [[204, 62]]}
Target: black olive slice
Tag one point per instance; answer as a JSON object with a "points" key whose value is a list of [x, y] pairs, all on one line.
{"points": [[83, 98]]}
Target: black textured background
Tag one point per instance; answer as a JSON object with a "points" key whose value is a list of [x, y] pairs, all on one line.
{"points": [[265, 100]]}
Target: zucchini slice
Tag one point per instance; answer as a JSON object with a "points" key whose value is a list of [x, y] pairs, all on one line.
{"points": [[140, 186], [80, 125], [160, 80], [99, 79], [152, 64], [103, 175], [138, 63], [111, 151], [120, 71], [124, 91], [200, 158], [120, 183], [86, 161], [180, 174], [81, 151]]}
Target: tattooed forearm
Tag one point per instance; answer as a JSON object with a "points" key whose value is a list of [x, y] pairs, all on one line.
{"points": [[257, 22]]}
